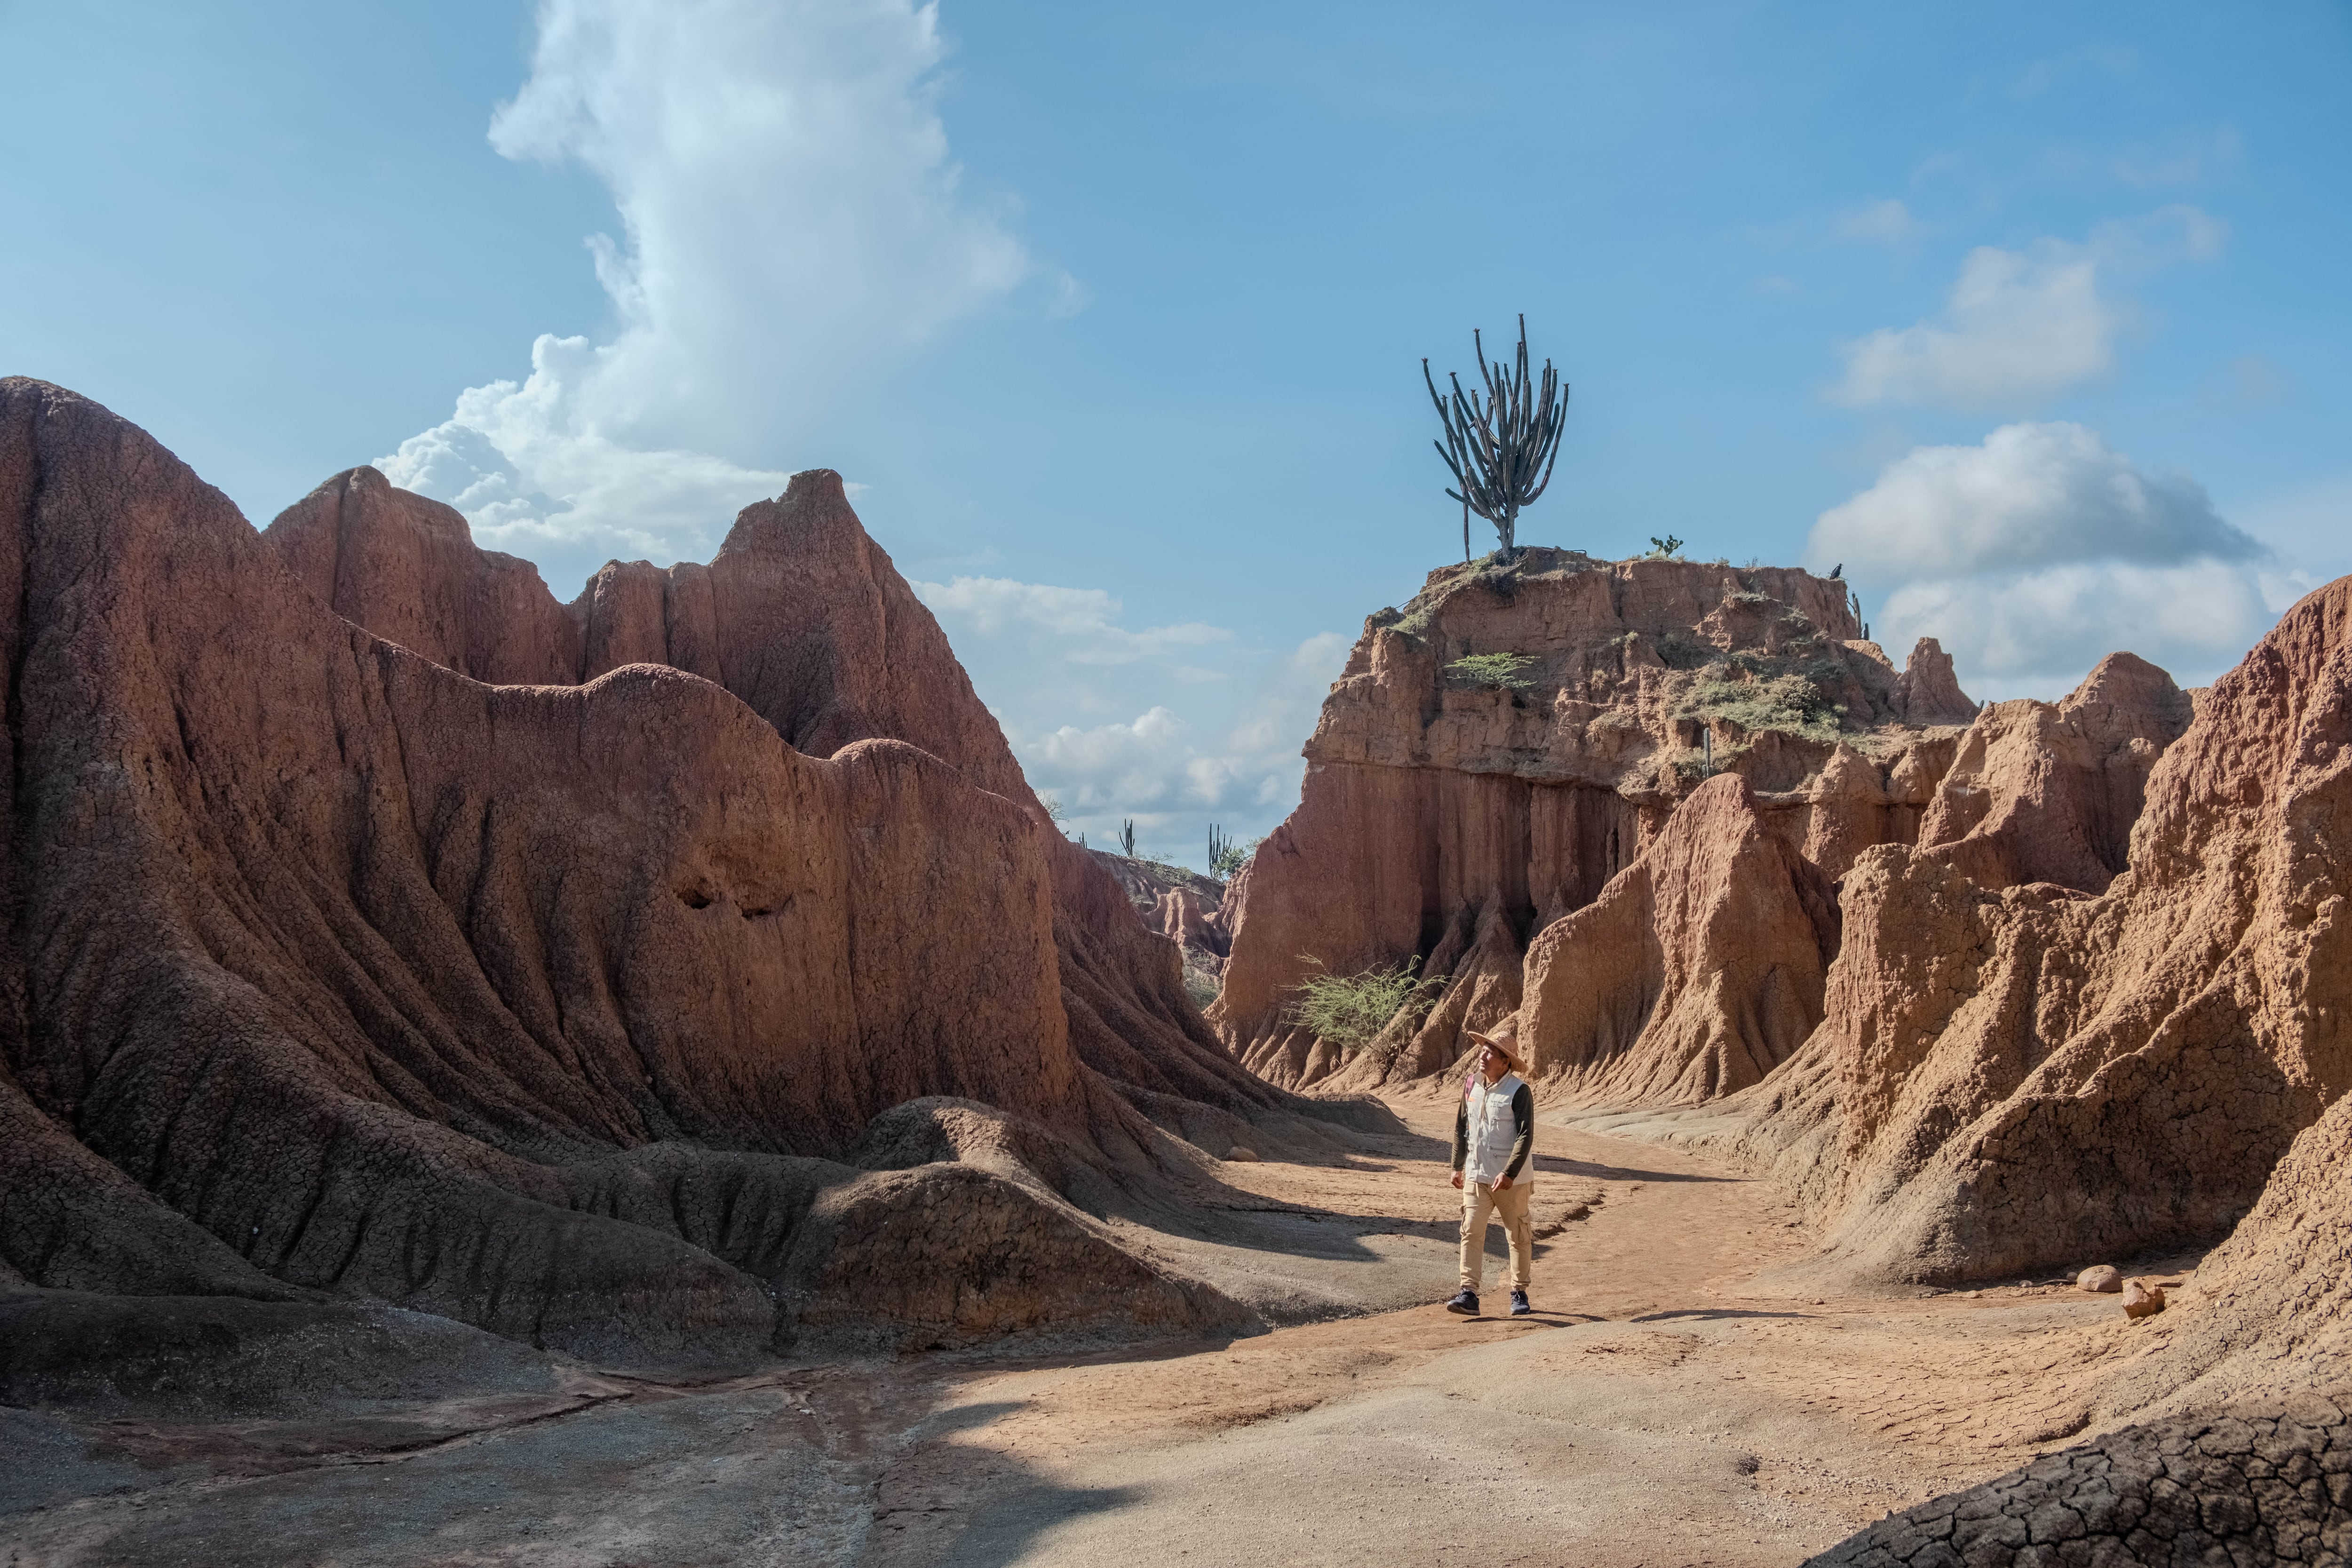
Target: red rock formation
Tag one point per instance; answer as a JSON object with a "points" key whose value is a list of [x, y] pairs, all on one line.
{"points": [[356, 540], [2036, 1078], [1929, 689], [1447, 818], [806, 618], [549, 1009], [2276, 1299], [2048, 794], [1697, 971]]}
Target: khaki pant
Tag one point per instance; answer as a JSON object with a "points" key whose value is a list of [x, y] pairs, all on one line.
{"points": [[1511, 1207]]}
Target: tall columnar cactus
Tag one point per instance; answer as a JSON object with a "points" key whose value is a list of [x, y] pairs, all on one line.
{"points": [[1501, 445], [1127, 838]]}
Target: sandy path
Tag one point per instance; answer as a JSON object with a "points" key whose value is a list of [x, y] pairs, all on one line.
{"points": [[1661, 1408]]}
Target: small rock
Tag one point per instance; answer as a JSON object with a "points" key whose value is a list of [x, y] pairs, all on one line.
{"points": [[1976, 1295], [1239, 1153], [2101, 1278], [2143, 1300]]}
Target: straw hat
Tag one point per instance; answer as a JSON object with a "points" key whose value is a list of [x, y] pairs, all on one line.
{"points": [[1504, 1037]]}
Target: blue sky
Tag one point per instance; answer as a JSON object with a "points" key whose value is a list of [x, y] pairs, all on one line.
{"points": [[2027, 314]]}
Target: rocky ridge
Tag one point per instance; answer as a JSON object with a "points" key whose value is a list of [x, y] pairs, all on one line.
{"points": [[1454, 809], [627, 1013]]}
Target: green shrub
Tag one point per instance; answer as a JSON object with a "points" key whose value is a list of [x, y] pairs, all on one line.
{"points": [[1348, 1009], [1497, 670], [1226, 858], [1789, 704]]}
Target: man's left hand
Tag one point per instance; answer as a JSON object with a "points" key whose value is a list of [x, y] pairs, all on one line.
{"points": [[1502, 1184]]}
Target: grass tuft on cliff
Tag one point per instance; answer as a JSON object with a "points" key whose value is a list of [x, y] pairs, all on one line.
{"points": [[1789, 704], [1496, 669]]}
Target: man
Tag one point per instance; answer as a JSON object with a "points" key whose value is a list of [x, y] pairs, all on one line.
{"points": [[1494, 1130]]}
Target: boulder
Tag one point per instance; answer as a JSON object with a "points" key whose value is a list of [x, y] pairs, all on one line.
{"points": [[1240, 1155], [2142, 1299], [2102, 1278]]}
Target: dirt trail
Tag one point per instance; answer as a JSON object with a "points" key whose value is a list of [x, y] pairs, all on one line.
{"points": [[1661, 1407]]}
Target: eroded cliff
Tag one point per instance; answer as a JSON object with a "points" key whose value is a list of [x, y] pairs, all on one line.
{"points": [[596, 1014], [1515, 737]]}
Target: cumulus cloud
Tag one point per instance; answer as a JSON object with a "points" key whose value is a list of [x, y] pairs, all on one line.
{"points": [[2022, 326], [1084, 620], [1173, 727], [1173, 778], [2034, 554], [789, 212], [2030, 495]]}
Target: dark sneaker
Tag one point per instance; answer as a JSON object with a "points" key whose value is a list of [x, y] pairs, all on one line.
{"points": [[1519, 1308], [1465, 1302]]}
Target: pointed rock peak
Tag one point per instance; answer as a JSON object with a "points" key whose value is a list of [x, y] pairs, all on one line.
{"points": [[813, 514], [1929, 692]]}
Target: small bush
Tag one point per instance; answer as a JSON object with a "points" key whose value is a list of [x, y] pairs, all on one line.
{"points": [[1789, 704], [1227, 858], [1496, 669], [1660, 548], [1055, 810], [1348, 1009]]}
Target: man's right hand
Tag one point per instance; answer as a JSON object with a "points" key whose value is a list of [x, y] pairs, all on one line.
{"points": [[1458, 1178]]}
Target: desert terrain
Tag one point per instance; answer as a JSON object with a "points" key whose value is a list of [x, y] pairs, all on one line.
{"points": [[1669, 1403], [644, 1080]]}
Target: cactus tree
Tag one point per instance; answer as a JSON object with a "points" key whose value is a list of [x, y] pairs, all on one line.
{"points": [[1502, 445]]}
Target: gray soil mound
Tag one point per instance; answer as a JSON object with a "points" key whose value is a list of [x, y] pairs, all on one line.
{"points": [[2262, 1485]]}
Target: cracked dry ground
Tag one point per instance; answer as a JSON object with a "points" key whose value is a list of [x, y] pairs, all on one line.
{"points": [[1665, 1405]]}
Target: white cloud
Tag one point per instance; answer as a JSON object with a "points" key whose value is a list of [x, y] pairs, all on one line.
{"points": [[1084, 619], [2022, 326], [2032, 494], [2039, 552], [2038, 633], [1174, 726], [789, 213], [1173, 779]]}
